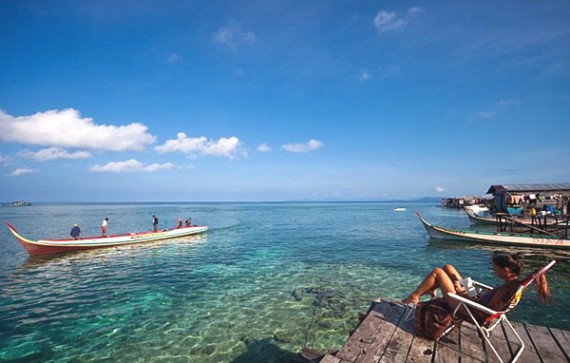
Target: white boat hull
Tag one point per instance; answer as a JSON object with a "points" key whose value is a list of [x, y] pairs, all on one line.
{"points": [[516, 239]]}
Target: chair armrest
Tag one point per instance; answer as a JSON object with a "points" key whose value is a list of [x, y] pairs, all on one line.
{"points": [[472, 303]]}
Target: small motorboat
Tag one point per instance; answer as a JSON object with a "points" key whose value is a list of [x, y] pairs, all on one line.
{"points": [[49, 246], [20, 203], [399, 209]]}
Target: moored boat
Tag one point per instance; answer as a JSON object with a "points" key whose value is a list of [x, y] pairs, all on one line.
{"points": [[476, 208], [49, 246], [491, 219], [503, 238]]}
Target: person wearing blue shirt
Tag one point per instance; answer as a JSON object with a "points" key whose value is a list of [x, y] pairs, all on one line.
{"points": [[75, 232]]}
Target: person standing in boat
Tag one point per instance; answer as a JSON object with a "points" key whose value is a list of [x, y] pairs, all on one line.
{"points": [[104, 225], [75, 232], [154, 223]]}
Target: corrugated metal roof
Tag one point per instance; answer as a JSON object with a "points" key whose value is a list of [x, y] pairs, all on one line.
{"points": [[529, 188]]}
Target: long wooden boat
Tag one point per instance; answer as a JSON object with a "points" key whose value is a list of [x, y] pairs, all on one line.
{"points": [[49, 246], [503, 238]]}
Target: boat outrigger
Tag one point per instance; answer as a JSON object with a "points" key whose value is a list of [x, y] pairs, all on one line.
{"points": [[502, 238], [49, 246]]}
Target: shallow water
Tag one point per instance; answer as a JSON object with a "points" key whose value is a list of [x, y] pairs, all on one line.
{"points": [[266, 280]]}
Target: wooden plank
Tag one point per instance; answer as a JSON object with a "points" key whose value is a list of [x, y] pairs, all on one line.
{"points": [[399, 345], [545, 344], [385, 336], [529, 354], [447, 348], [421, 351], [470, 344], [363, 336], [330, 359], [563, 339], [382, 335]]}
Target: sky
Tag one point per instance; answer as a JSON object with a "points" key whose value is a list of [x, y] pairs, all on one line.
{"points": [[174, 101]]}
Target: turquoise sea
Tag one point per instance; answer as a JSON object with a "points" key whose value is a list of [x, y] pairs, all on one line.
{"points": [[266, 280]]}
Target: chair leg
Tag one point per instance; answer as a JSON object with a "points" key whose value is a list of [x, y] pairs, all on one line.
{"points": [[484, 334], [520, 350], [448, 330]]}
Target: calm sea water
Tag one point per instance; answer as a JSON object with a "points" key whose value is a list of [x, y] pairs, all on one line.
{"points": [[266, 280]]}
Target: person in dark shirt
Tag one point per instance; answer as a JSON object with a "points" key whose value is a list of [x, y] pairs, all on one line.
{"points": [[154, 223], [75, 232]]}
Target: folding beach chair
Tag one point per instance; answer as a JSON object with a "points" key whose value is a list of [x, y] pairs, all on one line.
{"points": [[495, 317]]}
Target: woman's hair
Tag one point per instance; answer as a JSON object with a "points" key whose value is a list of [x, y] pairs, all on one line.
{"points": [[514, 263]]}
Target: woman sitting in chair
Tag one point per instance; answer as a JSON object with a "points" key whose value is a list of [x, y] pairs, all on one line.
{"points": [[506, 267]]}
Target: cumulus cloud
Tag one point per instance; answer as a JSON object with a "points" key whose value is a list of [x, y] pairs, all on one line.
{"points": [[194, 146], [66, 128], [439, 189], [392, 22], [129, 166], [233, 37], [23, 171], [264, 148], [311, 145], [53, 153]]}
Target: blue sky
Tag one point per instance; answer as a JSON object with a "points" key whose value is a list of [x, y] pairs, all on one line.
{"points": [[125, 101]]}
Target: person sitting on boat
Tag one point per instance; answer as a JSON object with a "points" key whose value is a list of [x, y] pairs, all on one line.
{"points": [[75, 232], [506, 266], [179, 225], [104, 225], [189, 222], [154, 223]]}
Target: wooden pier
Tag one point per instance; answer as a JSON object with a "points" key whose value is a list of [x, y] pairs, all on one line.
{"points": [[384, 335]]}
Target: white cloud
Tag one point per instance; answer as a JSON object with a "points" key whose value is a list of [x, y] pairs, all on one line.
{"points": [[386, 22], [53, 153], [392, 22], [264, 148], [233, 37], [194, 146], [311, 145], [129, 166], [506, 103], [23, 171], [439, 189], [66, 128], [3, 160], [173, 58]]}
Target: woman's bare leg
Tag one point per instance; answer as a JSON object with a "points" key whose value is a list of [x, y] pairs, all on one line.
{"points": [[455, 277], [438, 278]]}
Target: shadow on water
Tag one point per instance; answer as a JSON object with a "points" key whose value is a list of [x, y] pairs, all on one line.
{"points": [[266, 351]]}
